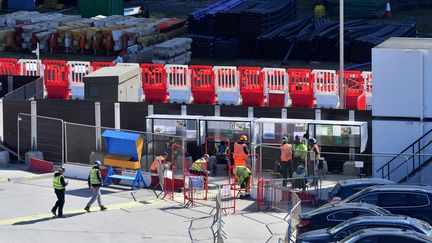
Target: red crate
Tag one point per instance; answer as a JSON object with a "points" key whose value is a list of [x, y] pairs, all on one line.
{"points": [[99, 65], [56, 79], [251, 80], [301, 87], [203, 84], [154, 82], [9, 66]]}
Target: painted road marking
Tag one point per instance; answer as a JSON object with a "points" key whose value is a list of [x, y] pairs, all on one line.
{"points": [[76, 211]]}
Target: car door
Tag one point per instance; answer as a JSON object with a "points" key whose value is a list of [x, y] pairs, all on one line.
{"points": [[410, 204], [371, 198]]}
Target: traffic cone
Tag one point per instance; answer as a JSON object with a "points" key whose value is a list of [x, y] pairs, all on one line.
{"points": [[388, 10]]}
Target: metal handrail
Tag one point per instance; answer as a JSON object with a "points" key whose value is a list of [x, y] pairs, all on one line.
{"points": [[402, 153]]}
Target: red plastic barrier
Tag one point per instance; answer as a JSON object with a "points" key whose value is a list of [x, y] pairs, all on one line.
{"points": [[41, 166], [154, 82], [251, 80], [99, 65], [353, 86], [276, 85], [170, 24], [301, 87], [203, 84], [56, 79], [9, 66]]}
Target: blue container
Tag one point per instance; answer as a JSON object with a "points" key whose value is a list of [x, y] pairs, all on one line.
{"points": [[20, 4], [122, 143]]}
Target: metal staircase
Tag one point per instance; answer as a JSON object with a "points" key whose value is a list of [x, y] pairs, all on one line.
{"points": [[415, 158]]}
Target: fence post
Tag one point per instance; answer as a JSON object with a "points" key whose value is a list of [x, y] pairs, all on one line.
{"points": [[117, 116], [98, 126], [33, 126]]}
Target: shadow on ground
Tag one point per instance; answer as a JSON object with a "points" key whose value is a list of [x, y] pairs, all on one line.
{"points": [[47, 219]]}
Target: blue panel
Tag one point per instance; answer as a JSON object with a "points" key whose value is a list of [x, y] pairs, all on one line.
{"points": [[121, 143]]}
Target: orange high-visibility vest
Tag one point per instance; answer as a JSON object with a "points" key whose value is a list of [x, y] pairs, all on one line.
{"points": [[286, 152], [155, 164], [239, 155]]}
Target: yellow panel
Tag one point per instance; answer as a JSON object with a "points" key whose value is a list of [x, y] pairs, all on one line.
{"points": [[121, 161], [139, 146]]}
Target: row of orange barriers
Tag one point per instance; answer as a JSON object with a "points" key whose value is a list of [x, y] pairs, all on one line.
{"points": [[251, 86]]}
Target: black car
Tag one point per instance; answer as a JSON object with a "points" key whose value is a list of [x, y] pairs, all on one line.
{"points": [[411, 200], [353, 225], [331, 215], [386, 235], [346, 188]]}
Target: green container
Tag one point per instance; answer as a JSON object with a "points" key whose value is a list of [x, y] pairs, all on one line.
{"points": [[91, 8]]}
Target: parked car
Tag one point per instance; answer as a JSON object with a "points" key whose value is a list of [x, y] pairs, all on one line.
{"points": [[353, 225], [411, 200], [386, 235], [346, 188], [331, 215]]}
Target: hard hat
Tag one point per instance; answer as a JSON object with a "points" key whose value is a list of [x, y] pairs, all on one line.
{"points": [[165, 154], [300, 167], [62, 169], [285, 139], [312, 140], [297, 137], [97, 162], [243, 138], [206, 156]]}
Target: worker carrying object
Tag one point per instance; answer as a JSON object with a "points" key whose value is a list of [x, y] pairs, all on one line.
{"points": [[299, 151], [59, 185], [95, 183], [241, 151], [162, 159], [243, 175], [299, 178], [199, 167], [286, 161]]}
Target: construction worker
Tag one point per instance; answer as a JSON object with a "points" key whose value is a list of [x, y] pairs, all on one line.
{"points": [[59, 185], [95, 183], [313, 158], [299, 151], [222, 152], [299, 178], [199, 166], [155, 165], [286, 160], [242, 177], [240, 151]]}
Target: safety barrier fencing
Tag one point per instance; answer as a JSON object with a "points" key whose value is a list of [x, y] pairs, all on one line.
{"points": [[30, 91], [230, 85], [293, 221]]}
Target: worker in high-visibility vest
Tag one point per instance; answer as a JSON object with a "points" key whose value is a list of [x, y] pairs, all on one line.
{"points": [[313, 159], [299, 152], [155, 165], [242, 177], [199, 167], [59, 185], [286, 160], [299, 178], [95, 183], [241, 151], [222, 152]]}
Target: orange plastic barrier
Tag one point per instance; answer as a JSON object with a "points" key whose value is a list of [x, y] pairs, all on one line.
{"points": [[301, 87], [251, 81], [154, 82], [203, 84], [99, 65], [56, 79], [355, 98], [9, 66]]}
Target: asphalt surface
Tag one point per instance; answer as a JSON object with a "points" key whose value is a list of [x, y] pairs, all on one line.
{"points": [[25, 217]]}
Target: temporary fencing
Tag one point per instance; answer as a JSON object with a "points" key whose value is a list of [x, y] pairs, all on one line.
{"points": [[154, 82], [77, 70], [9, 66], [30, 67], [326, 88], [227, 85], [203, 84], [293, 220], [196, 183], [276, 83], [251, 86], [301, 87], [178, 83], [56, 75]]}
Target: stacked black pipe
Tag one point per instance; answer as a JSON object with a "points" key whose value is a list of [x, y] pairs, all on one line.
{"points": [[202, 45], [227, 23], [226, 47]]}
